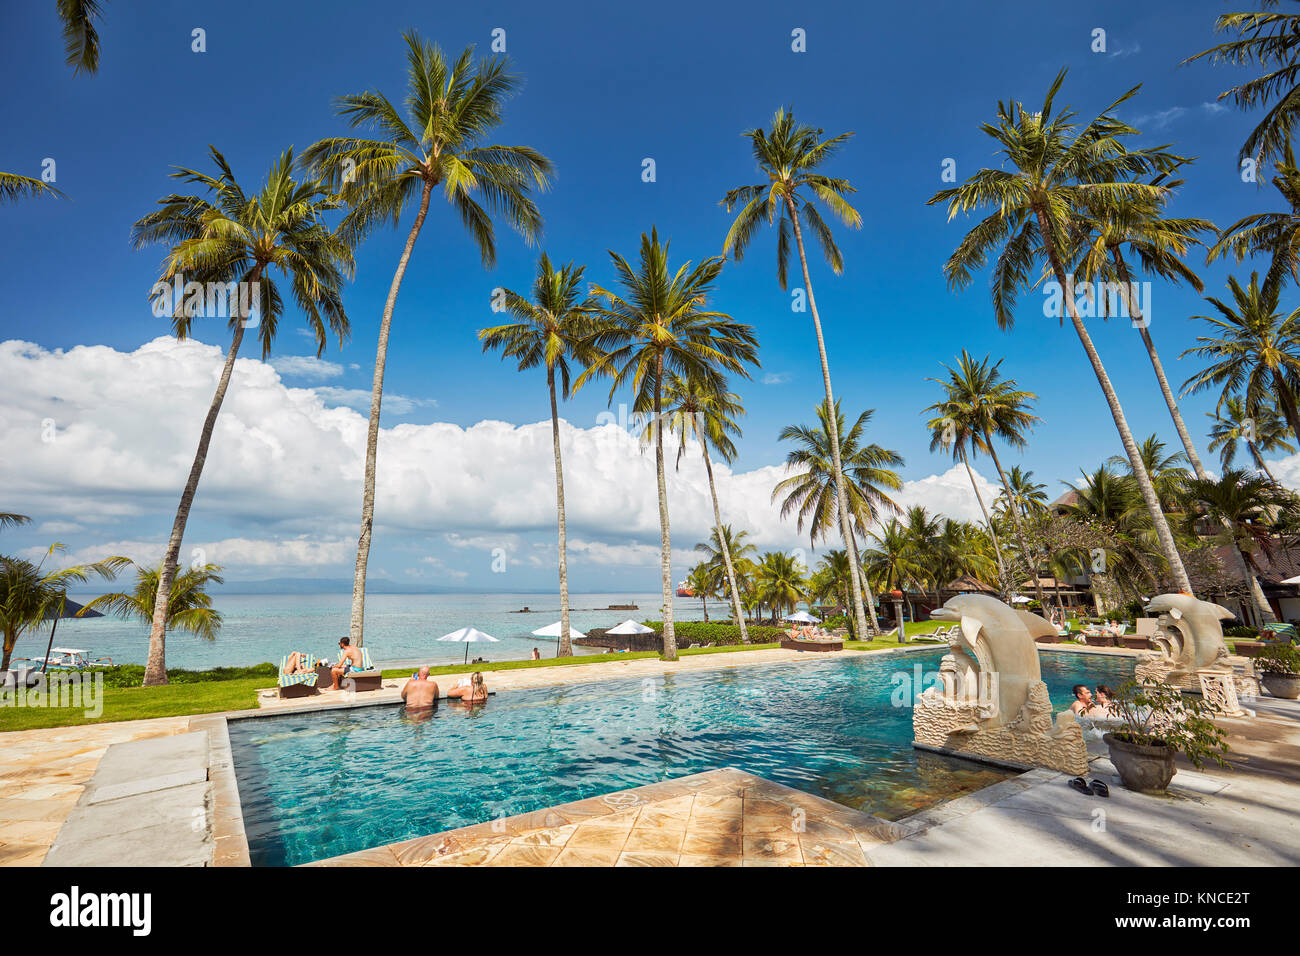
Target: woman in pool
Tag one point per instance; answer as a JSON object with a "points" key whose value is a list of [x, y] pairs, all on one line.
{"points": [[473, 691], [1101, 706]]}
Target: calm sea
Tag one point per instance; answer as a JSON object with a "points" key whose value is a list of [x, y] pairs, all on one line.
{"points": [[399, 627]]}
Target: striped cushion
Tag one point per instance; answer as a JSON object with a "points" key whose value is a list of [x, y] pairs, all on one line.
{"points": [[366, 663], [288, 680], [1282, 630]]}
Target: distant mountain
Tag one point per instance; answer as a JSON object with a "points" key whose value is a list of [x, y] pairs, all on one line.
{"points": [[344, 586]]}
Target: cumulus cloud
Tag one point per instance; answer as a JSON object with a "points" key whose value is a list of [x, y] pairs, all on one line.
{"points": [[104, 439], [306, 366], [358, 399]]}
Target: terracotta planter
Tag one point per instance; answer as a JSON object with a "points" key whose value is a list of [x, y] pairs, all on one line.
{"points": [[1146, 768], [1286, 686]]}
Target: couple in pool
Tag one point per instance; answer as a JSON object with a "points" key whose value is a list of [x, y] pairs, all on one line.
{"points": [[1088, 704], [421, 693]]}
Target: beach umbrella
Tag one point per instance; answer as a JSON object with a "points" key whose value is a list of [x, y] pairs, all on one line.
{"points": [[1020, 599], [467, 636], [803, 617], [630, 627], [66, 608], [553, 630]]}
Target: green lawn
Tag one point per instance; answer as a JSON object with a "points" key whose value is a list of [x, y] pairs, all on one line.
{"points": [[140, 703]]}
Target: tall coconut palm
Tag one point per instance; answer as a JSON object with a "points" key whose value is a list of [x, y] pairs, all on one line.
{"points": [[31, 595], [451, 109], [781, 581], [704, 582], [1113, 501], [1055, 173], [1261, 429], [242, 242], [978, 406], [1274, 234], [1270, 41], [1118, 229], [551, 331], [834, 576], [891, 564], [1023, 493], [1244, 503], [188, 609], [1253, 348], [9, 519], [695, 408], [1168, 471], [723, 540], [80, 38], [923, 530], [811, 491], [658, 325], [790, 155]]}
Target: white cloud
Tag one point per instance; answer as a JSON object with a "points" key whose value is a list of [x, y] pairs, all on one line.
{"points": [[776, 378], [306, 366], [264, 554], [358, 399], [281, 486]]}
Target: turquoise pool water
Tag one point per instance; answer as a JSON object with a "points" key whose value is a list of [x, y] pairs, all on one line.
{"points": [[318, 785]]}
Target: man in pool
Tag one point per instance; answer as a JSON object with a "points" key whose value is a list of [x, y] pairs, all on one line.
{"points": [[1082, 699], [350, 660], [420, 693]]}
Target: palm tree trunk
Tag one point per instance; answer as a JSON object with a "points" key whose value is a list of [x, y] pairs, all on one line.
{"points": [[704, 604], [155, 669], [665, 545], [873, 618], [565, 646], [1014, 511], [1158, 520], [1287, 401], [997, 547], [356, 629], [1263, 466], [723, 546], [841, 495]]}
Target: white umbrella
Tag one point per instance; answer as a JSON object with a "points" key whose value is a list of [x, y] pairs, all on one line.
{"points": [[1294, 580], [803, 617], [553, 630], [1020, 599], [630, 627], [467, 636]]}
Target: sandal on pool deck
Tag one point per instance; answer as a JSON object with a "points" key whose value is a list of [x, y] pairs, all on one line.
{"points": [[1100, 789], [1079, 784]]}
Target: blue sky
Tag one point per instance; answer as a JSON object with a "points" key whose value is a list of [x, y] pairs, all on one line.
{"points": [[607, 85]]}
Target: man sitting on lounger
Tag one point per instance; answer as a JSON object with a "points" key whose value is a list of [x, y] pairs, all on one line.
{"points": [[296, 663], [420, 693], [350, 661], [473, 691]]}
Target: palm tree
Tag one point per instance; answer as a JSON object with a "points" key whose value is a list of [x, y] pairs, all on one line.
{"points": [[551, 331], [723, 541], [30, 595], [240, 241], [790, 156], [781, 582], [1168, 472], [694, 408], [1271, 41], [704, 583], [1114, 502], [80, 38], [834, 578], [14, 187], [450, 110], [188, 609], [1255, 351], [978, 406], [1275, 234], [891, 564], [659, 325], [1055, 172], [1025, 495], [1159, 244], [811, 491], [1244, 503], [923, 530], [9, 519], [1261, 429]]}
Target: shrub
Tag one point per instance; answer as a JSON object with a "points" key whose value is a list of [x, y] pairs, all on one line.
{"points": [[1158, 714], [698, 632], [132, 675], [1241, 630], [1279, 659]]}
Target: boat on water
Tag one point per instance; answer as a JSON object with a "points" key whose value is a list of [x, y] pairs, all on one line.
{"points": [[684, 591]]}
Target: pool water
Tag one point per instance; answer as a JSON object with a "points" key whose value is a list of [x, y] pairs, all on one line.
{"points": [[319, 785]]}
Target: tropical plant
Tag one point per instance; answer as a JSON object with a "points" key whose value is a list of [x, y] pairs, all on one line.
{"points": [[1261, 429], [1168, 473], [80, 38], [551, 331], [790, 156], [891, 564], [239, 242], [1274, 234], [979, 405], [781, 582], [1023, 493], [30, 596], [451, 108], [1156, 714], [1270, 41], [9, 519], [695, 408], [1253, 349], [660, 325], [189, 608], [810, 491], [14, 187], [702, 580], [1055, 174]]}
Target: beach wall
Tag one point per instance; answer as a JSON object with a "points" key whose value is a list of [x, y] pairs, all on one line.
{"points": [[596, 637]]}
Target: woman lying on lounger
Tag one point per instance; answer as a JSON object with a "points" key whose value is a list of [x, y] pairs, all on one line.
{"points": [[472, 691], [297, 664]]}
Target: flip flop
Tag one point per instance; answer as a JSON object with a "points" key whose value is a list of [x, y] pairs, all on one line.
{"points": [[1100, 789], [1079, 784]]}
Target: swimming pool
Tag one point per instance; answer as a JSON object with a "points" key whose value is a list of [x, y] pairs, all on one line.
{"points": [[318, 785]]}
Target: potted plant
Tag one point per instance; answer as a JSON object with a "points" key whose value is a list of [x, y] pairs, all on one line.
{"points": [[1157, 722], [1279, 670]]}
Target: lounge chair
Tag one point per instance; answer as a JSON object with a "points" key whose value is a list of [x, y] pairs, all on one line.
{"points": [[366, 677], [299, 685]]}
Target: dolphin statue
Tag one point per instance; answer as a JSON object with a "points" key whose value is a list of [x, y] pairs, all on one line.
{"points": [[1200, 624], [995, 638]]}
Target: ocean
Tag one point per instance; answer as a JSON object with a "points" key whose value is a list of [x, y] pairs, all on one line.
{"points": [[399, 627]]}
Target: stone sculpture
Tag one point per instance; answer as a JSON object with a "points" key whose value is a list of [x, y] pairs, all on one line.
{"points": [[1191, 654]]}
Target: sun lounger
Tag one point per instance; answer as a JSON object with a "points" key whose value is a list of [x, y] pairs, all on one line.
{"points": [[299, 685], [366, 677]]}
